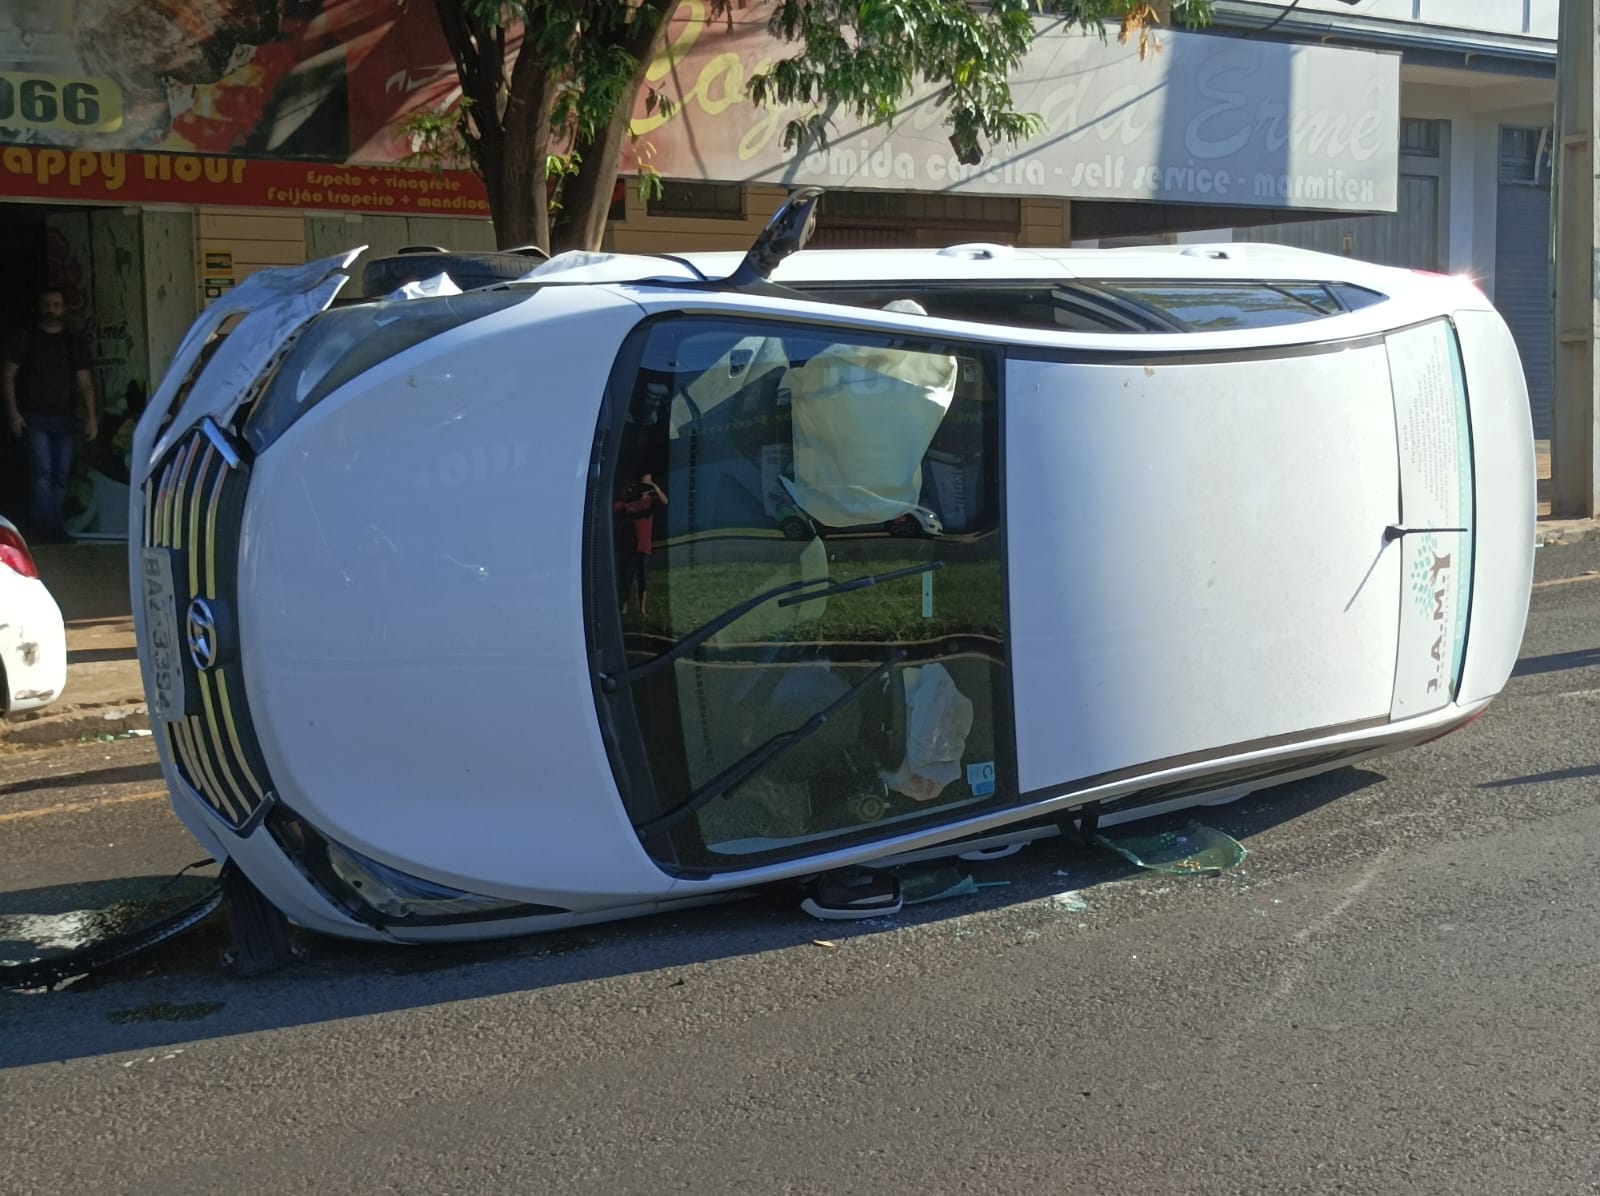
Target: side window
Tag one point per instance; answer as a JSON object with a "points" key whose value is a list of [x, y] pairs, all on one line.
{"points": [[808, 588], [1136, 306], [1220, 305]]}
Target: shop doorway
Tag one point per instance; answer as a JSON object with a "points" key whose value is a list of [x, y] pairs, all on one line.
{"points": [[95, 256], [22, 265]]}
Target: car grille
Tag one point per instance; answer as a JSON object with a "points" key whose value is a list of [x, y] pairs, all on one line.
{"points": [[194, 504]]}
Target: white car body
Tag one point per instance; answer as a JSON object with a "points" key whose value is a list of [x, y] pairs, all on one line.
{"points": [[33, 639], [1213, 560]]}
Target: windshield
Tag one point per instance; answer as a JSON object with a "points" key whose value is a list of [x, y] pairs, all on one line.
{"points": [[795, 588]]}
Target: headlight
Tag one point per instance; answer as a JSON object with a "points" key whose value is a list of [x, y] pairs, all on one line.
{"points": [[378, 894], [395, 895]]}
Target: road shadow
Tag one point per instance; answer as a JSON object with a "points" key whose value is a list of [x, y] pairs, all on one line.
{"points": [[179, 992], [1557, 662], [1539, 778], [125, 774], [100, 655]]}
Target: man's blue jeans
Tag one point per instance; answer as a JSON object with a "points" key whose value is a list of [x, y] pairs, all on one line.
{"points": [[49, 444]]}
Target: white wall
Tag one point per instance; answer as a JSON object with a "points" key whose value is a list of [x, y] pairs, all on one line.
{"points": [[1536, 18], [171, 301], [1475, 113], [1432, 102]]}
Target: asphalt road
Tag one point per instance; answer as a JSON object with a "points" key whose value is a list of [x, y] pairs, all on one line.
{"points": [[1396, 992]]}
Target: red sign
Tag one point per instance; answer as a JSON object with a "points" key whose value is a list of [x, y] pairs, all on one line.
{"points": [[323, 79], [115, 176]]}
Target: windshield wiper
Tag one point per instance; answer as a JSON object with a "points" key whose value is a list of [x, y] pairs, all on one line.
{"points": [[1396, 531], [611, 682], [752, 762]]}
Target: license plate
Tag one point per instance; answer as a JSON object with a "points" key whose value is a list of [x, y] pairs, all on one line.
{"points": [[161, 634]]}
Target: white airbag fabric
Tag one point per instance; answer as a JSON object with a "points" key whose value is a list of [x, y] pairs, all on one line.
{"points": [[863, 418], [938, 721]]}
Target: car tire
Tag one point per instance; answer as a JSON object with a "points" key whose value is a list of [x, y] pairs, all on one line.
{"points": [[796, 528], [467, 270]]}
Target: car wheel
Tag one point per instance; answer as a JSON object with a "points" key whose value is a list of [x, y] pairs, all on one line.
{"points": [[796, 528]]}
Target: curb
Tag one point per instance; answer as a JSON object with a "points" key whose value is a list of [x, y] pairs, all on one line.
{"points": [[1576, 532], [61, 726]]}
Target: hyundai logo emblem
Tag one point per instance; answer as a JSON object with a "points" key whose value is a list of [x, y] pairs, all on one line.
{"points": [[201, 633]]}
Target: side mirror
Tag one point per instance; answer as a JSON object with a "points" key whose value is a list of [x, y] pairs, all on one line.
{"points": [[787, 232]]}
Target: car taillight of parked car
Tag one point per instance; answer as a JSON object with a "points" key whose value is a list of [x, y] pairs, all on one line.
{"points": [[14, 554]]}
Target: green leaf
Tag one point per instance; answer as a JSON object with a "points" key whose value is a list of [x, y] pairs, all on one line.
{"points": [[860, 58]]}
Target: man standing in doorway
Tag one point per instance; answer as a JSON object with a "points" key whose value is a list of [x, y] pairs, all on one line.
{"points": [[45, 368]]}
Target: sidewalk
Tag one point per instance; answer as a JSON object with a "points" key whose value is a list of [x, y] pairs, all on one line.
{"points": [[105, 694], [1558, 531]]}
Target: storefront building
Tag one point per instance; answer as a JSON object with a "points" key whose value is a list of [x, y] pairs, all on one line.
{"points": [[146, 173], [1477, 103]]}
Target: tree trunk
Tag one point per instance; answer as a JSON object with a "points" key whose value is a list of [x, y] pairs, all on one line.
{"points": [[519, 200], [522, 216], [586, 196]]}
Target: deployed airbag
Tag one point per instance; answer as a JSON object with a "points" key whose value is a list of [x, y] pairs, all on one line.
{"points": [[864, 415], [938, 721]]}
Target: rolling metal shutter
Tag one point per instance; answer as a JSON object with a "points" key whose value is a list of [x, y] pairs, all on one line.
{"points": [[1407, 237], [1522, 284], [1410, 236]]}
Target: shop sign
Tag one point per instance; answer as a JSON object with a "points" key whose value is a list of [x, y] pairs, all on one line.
{"points": [[318, 79], [115, 176], [57, 102], [1206, 120]]}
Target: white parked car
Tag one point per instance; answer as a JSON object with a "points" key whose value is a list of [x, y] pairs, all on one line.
{"points": [[33, 640], [483, 614]]}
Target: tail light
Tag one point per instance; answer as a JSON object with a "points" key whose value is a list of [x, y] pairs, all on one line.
{"points": [[14, 554]]}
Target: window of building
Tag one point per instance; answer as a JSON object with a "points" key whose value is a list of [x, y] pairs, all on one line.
{"points": [[1423, 138], [716, 201], [802, 621], [1525, 155]]}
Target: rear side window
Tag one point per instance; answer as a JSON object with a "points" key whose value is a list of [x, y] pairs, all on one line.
{"points": [[1141, 306], [1213, 306]]}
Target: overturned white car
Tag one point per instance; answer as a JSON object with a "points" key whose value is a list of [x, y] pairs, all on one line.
{"points": [[646, 580]]}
